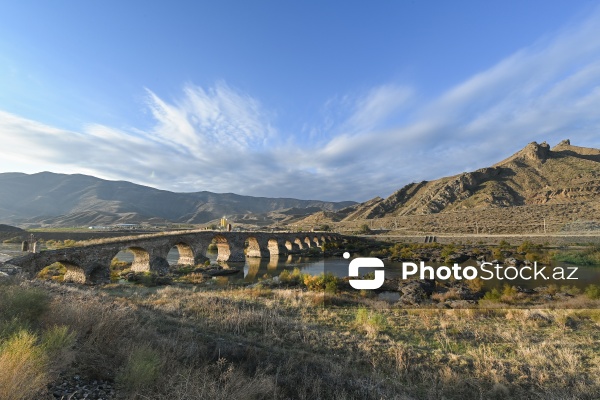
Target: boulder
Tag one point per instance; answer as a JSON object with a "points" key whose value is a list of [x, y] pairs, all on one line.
{"points": [[416, 291]]}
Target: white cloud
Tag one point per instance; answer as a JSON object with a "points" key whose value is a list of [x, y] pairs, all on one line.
{"points": [[222, 140]]}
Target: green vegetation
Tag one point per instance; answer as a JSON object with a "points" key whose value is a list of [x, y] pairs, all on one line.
{"points": [[30, 350], [55, 272], [140, 370], [372, 322], [593, 292], [589, 256], [13, 240], [61, 244]]}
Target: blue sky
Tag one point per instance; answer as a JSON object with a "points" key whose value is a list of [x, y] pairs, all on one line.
{"points": [[311, 99]]}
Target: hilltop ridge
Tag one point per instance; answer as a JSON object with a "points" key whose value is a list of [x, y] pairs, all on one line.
{"points": [[535, 175]]}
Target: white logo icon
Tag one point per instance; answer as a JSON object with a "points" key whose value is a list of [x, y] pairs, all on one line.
{"points": [[365, 262]]}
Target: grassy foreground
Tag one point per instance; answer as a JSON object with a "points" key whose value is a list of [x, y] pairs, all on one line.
{"points": [[243, 343]]}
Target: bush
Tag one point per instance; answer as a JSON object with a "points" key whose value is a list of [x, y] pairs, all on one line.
{"points": [[364, 229], [57, 338], [371, 321], [448, 250], [492, 295], [284, 276], [321, 282], [591, 256], [504, 245], [24, 304], [592, 292], [55, 272], [23, 367], [140, 371], [57, 244], [528, 246]]}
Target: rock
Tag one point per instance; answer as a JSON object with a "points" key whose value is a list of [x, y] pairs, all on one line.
{"points": [[460, 303], [512, 261], [416, 291], [457, 258], [224, 271], [79, 387], [525, 290]]}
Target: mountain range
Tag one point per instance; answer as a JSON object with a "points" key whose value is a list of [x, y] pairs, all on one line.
{"points": [[556, 187], [50, 199]]}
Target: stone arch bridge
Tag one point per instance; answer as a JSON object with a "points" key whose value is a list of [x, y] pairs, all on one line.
{"points": [[90, 263]]}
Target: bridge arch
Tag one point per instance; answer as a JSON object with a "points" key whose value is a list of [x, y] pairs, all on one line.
{"points": [[229, 248], [98, 273], [145, 260], [253, 249], [275, 248], [186, 253], [308, 242], [74, 272], [300, 243]]}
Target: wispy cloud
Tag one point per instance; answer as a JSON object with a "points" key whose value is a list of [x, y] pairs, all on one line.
{"points": [[224, 140]]}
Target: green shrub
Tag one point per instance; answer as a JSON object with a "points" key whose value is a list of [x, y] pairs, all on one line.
{"points": [[528, 246], [284, 276], [504, 245], [331, 287], [57, 339], [448, 250], [55, 272], [492, 295], [320, 282], [140, 371], [23, 367], [592, 292], [590, 256], [371, 321], [25, 304]]}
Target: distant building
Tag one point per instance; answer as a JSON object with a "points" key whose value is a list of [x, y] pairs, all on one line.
{"points": [[127, 226]]}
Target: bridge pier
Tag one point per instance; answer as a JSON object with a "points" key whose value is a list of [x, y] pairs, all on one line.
{"points": [[256, 248], [275, 248], [231, 249]]}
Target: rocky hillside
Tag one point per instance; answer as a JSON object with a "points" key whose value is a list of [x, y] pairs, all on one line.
{"points": [[536, 175], [74, 200]]}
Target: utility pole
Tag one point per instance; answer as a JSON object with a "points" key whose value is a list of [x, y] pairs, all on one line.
{"points": [[544, 224]]}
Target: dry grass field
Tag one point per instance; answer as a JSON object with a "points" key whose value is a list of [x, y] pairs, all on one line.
{"points": [[188, 342]]}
